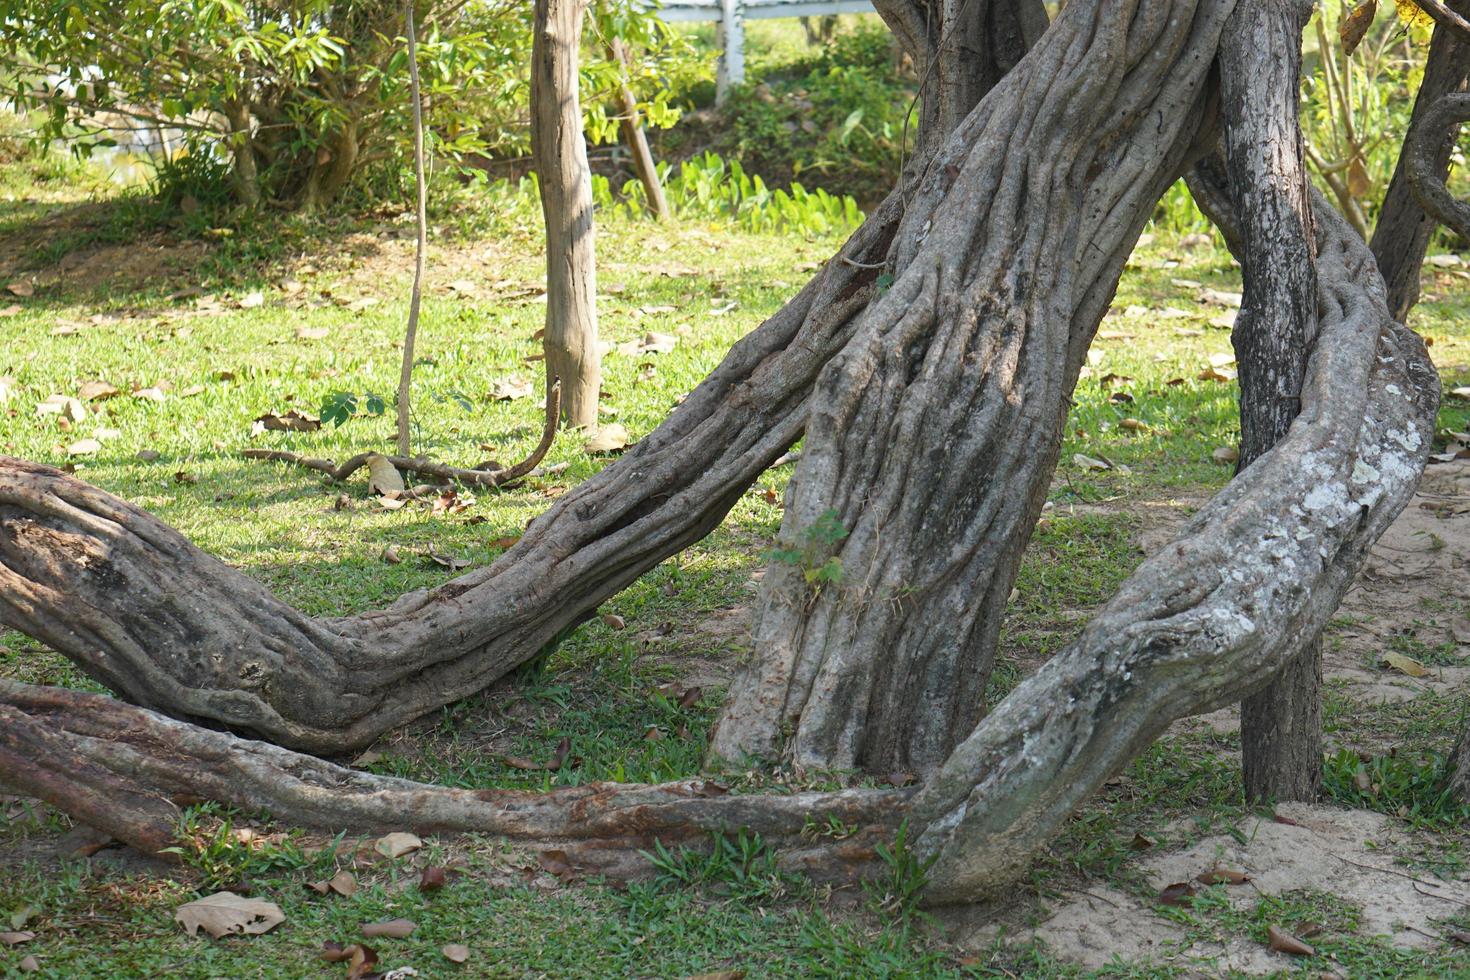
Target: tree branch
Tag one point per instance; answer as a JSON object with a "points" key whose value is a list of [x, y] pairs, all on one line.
{"points": [[1425, 177]]}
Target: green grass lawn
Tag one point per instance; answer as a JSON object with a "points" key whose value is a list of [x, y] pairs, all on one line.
{"points": [[203, 330]]}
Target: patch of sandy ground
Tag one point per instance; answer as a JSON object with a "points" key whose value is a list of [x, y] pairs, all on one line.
{"points": [[1415, 580]]}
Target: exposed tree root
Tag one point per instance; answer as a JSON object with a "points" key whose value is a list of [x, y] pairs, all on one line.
{"points": [[427, 467], [127, 771]]}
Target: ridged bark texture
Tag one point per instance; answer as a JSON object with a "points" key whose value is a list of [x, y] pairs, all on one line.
{"points": [[560, 152], [934, 434], [1260, 68]]}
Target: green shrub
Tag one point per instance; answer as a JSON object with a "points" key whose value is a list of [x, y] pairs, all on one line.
{"points": [[708, 186], [837, 118], [296, 103]]}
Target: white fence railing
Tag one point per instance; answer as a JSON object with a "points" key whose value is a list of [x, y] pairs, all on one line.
{"points": [[731, 16]]}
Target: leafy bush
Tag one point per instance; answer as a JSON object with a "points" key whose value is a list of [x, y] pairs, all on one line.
{"points": [[292, 104], [838, 117], [710, 187]]}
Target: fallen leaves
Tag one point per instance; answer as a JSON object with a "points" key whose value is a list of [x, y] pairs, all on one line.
{"points": [[607, 439], [557, 760], [511, 388], [96, 391], [358, 957], [397, 844], [20, 288], [291, 421], [84, 447], [455, 952], [64, 405], [225, 914], [1178, 893], [1225, 455], [1284, 942], [16, 938], [343, 883], [450, 562], [389, 929], [1222, 876], [1097, 463], [1403, 664], [1217, 297], [383, 476]]}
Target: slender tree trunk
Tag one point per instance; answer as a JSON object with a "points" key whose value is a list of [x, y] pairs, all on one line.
{"points": [[421, 242], [332, 167], [1402, 234], [242, 150], [1260, 67], [560, 152], [630, 122]]}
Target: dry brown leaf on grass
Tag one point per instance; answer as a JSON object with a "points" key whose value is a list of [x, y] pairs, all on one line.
{"points": [[609, 438], [292, 421], [96, 391], [397, 844], [63, 405], [343, 883], [1222, 876], [225, 914], [510, 389], [1284, 942], [16, 938], [447, 561], [389, 928], [455, 952], [1178, 893], [383, 476], [1403, 664]]}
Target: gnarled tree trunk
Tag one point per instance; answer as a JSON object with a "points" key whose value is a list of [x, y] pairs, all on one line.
{"points": [[934, 435]]}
